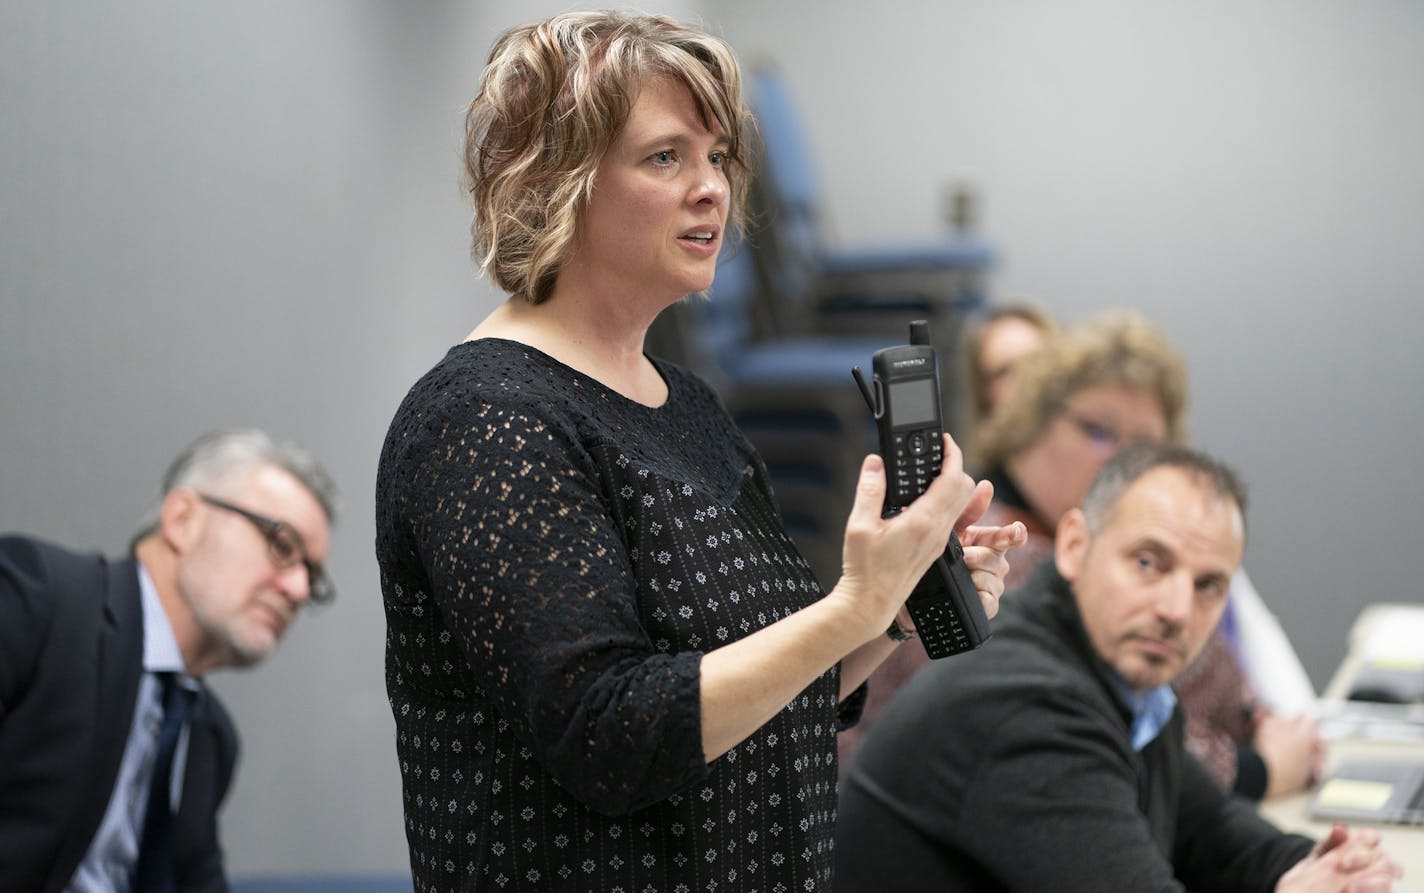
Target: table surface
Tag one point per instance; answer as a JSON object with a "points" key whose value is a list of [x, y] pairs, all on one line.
{"points": [[1363, 732], [1405, 843]]}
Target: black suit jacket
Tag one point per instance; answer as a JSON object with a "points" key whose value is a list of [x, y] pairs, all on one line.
{"points": [[71, 657]]}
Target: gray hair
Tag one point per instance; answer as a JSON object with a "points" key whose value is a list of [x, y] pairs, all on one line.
{"points": [[1136, 459], [218, 456]]}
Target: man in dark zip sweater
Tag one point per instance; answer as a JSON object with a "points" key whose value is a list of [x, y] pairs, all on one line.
{"points": [[1053, 757]]}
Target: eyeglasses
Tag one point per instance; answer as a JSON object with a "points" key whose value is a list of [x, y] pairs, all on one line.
{"points": [[1103, 436], [285, 546]]}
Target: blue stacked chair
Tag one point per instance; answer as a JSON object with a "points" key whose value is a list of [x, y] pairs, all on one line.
{"points": [[820, 286]]}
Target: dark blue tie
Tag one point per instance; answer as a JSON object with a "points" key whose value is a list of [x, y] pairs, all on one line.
{"points": [[154, 872]]}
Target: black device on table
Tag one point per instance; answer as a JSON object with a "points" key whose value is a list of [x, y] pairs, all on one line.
{"points": [[905, 400]]}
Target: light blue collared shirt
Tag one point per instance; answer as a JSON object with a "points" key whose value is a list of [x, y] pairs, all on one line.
{"points": [[1151, 709], [113, 852]]}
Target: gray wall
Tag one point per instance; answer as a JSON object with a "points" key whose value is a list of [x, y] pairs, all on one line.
{"points": [[236, 213], [247, 213], [239, 213], [1248, 175]]}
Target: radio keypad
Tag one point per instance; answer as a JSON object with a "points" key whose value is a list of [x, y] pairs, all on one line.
{"points": [[919, 455]]}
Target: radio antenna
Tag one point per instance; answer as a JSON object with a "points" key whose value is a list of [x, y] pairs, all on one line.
{"points": [[864, 389]]}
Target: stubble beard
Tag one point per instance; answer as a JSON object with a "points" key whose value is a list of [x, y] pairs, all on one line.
{"points": [[224, 633]]}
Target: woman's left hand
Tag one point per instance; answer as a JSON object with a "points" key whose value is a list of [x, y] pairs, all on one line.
{"points": [[985, 552], [986, 548], [986, 555]]}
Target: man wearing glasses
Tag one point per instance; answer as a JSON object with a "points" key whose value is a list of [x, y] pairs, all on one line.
{"points": [[114, 756]]}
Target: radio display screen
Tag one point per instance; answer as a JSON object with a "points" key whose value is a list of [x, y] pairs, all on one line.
{"points": [[913, 403]]}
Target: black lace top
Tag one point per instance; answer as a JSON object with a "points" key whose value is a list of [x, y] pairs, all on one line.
{"points": [[554, 560]]}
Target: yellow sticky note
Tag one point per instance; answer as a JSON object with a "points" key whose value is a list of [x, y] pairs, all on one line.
{"points": [[1397, 661], [1352, 793]]}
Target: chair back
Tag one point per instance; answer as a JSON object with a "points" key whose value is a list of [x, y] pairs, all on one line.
{"points": [[786, 197]]}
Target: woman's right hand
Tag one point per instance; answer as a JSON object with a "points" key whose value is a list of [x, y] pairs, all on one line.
{"points": [[746, 682], [883, 558]]}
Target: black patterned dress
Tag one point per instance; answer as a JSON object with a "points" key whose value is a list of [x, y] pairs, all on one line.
{"points": [[554, 560]]}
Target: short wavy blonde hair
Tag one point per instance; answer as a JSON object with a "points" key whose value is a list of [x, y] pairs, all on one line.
{"points": [[554, 97], [1120, 348]]}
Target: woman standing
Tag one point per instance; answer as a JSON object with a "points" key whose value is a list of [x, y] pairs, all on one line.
{"points": [[609, 667]]}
